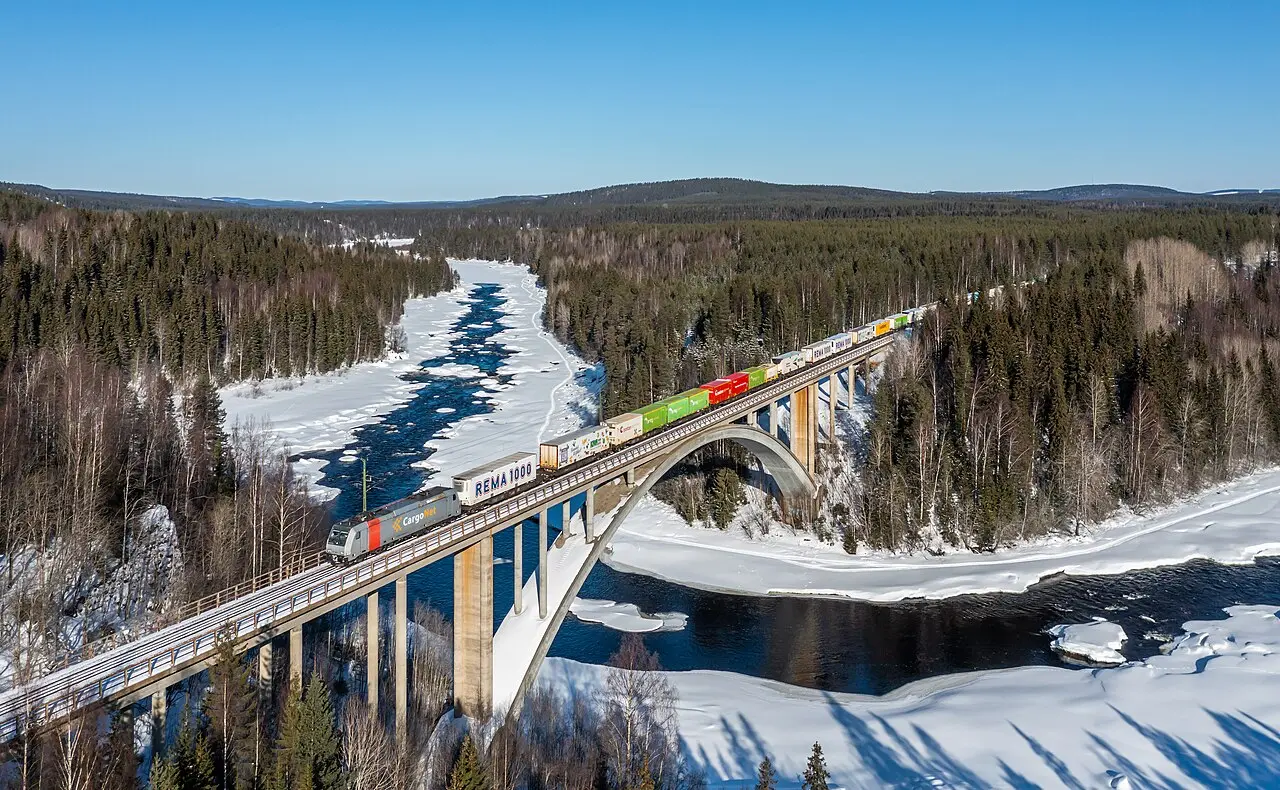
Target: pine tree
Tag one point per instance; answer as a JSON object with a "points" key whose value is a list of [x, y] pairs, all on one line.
{"points": [[767, 778], [815, 774], [644, 781], [308, 749], [467, 772], [203, 775]]}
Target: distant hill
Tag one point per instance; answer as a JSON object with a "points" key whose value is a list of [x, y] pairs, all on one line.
{"points": [[689, 192]]}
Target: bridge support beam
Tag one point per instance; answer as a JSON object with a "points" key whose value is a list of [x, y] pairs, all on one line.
{"points": [[589, 514], [371, 650], [542, 567], [159, 720], [833, 384], [566, 518], [473, 630], [631, 476], [517, 560], [848, 390], [295, 657], [402, 657], [773, 418]]}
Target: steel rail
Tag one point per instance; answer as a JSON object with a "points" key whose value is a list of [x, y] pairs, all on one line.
{"points": [[135, 664]]}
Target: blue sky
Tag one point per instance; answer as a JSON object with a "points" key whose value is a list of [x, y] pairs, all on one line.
{"points": [[433, 100]]}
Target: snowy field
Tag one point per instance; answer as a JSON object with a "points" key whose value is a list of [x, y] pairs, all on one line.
{"points": [[1207, 715], [321, 412], [1232, 523]]}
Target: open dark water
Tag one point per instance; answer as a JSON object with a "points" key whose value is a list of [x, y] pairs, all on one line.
{"points": [[823, 644]]}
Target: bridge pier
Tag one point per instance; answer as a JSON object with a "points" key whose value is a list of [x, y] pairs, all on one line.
{"points": [[295, 657], [631, 476], [773, 418], [832, 384], [542, 566], [473, 630], [517, 560], [159, 717], [265, 677], [804, 429], [371, 651], [589, 514], [402, 656], [566, 518], [848, 390]]}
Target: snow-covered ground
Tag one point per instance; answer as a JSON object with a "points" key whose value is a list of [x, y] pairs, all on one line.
{"points": [[1096, 643], [1206, 715], [1232, 523], [321, 412], [626, 616]]}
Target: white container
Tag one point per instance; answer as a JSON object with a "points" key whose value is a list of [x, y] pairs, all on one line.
{"points": [[841, 342], [789, 362], [866, 333], [574, 447], [495, 477], [815, 352], [624, 428]]}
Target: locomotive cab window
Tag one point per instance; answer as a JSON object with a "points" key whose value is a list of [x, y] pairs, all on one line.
{"points": [[338, 537]]}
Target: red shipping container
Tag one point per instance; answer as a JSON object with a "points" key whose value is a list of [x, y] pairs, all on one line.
{"points": [[741, 382], [719, 390]]}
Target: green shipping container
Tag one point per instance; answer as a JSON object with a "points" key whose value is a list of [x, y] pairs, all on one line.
{"points": [[900, 320], [757, 375], [655, 415], [677, 407], [699, 399]]}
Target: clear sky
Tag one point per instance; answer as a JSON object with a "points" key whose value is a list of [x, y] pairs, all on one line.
{"points": [[451, 100]]}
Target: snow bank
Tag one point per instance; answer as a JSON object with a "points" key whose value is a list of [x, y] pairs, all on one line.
{"points": [[1233, 523], [626, 616], [1097, 643], [1206, 715]]}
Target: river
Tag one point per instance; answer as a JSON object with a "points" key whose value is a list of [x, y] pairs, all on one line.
{"points": [[824, 644]]}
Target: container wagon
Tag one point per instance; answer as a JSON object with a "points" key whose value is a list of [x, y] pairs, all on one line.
{"points": [[741, 382], [883, 327], [699, 399], [655, 416], [815, 352], [624, 427], [900, 320], [504, 474], [841, 342], [719, 390], [677, 407], [866, 333], [573, 447], [756, 376], [359, 535], [789, 362]]}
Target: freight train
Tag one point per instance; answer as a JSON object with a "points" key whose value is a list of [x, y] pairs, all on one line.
{"points": [[367, 532]]}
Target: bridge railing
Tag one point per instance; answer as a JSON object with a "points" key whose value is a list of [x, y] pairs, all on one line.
{"points": [[298, 563]]}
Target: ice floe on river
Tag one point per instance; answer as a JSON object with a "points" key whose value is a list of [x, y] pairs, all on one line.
{"points": [[1097, 643], [626, 616]]}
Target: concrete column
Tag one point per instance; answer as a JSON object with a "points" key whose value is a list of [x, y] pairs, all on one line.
{"points": [[371, 648], [773, 418], [589, 514], [473, 630], [803, 430], [517, 560], [402, 656], [265, 673], [295, 656], [159, 716], [833, 384], [631, 476], [542, 565], [849, 379], [566, 517]]}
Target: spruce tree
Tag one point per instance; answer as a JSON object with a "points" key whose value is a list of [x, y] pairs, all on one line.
{"points": [[815, 774], [767, 778], [467, 772], [165, 776], [308, 751]]}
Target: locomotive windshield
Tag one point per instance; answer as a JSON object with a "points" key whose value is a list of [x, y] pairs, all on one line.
{"points": [[338, 537]]}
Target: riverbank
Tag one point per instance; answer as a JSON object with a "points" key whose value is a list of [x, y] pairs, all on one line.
{"points": [[1231, 523], [1207, 715]]}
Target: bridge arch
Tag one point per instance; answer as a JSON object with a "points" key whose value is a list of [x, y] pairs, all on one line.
{"points": [[795, 489]]}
